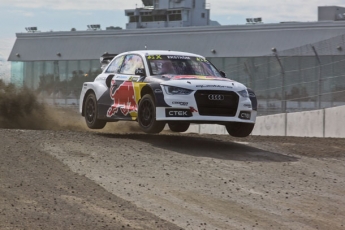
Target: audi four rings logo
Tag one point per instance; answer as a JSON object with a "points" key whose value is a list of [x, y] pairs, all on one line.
{"points": [[216, 97]]}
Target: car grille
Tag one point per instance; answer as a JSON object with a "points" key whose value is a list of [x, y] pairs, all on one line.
{"points": [[216, 103]]}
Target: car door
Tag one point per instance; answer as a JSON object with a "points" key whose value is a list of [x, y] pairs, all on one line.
{"points": [[123, 90], [106, 100]]}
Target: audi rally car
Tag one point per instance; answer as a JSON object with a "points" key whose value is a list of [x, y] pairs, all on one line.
{"points": [[156, 88]]}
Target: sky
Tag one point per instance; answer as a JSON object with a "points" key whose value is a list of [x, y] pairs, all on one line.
{"points": [[62, 15]]}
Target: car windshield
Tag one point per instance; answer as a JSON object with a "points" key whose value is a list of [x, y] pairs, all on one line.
{"points": [[180, 65]]}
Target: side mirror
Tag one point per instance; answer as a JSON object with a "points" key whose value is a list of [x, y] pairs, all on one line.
{"points": [[140, 72], [222, 73]]}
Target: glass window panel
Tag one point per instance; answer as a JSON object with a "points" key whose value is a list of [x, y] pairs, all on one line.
{"points": [[17, 73], [115, 65], [131, 63]]}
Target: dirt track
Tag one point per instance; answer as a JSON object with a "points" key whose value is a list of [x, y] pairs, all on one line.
{"points": [[129, 180]]}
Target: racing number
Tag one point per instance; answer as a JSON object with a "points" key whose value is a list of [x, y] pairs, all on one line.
{"points": [[154, 57], [201, 59]]}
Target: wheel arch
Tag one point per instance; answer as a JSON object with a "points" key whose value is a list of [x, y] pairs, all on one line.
{"points": [[155, 90], [147, 90], [88, 92]]}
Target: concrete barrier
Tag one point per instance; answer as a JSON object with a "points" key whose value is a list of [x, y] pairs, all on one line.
{"points": [[317, 123], [334, 122], [305, 124], [213, 129], [193, 128], [272, 125]]}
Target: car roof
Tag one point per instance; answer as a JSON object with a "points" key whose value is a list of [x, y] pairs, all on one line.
{"points": [[160, 52]]}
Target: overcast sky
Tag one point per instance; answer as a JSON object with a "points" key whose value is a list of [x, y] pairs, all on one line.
{"points": [[62, 15]]}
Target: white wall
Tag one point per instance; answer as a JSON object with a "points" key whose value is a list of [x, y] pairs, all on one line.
{"points": [[317, 123], [272, 125], [335, 122], [305, 124]]}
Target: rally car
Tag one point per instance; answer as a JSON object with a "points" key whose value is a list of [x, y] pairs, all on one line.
{"points": [[156, 88]]}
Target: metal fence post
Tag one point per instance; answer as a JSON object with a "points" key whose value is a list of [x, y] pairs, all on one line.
{"points": [[283, 82], [319, 78]]}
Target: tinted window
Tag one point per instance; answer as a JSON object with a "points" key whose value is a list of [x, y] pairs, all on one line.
{"points": [[115, 65], [181, 65]]}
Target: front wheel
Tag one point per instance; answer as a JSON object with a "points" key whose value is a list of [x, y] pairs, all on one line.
{"points": [[239, 129], [91, 111], [147, 116], [178, 126]]}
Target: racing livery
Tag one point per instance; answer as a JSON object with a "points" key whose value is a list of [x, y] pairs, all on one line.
{"points": [[156, 88]]}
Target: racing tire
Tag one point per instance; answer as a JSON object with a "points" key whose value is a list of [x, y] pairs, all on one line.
{"points": [[91, 113], [147, 116], [178, 126], [239, 129]]}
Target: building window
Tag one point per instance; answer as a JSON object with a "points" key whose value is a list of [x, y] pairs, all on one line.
{"points": [[147, 18], [134, 19], [160, 18], [203, 15], [175, 15]]}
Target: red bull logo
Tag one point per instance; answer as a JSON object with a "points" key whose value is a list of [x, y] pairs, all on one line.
{"points": [[193, 110], [124, 98]]}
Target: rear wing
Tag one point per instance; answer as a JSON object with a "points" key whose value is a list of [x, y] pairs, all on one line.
{"points": [[105, 59]]}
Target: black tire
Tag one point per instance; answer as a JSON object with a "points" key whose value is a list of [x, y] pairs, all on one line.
{"points": [[91, 113], [147, 116], [178, 126], [239, 129]]}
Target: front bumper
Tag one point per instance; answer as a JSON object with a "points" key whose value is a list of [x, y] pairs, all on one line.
{"points": [[205, 106]]}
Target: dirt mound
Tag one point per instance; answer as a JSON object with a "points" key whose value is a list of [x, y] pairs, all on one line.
{"points": [[21, 109]]}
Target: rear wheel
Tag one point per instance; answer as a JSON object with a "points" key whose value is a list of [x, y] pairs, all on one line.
{"points": [[239, 129], [91, 111], [178, 126], [147, 116]]}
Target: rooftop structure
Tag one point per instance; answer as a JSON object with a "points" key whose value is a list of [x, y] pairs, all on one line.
{"points": [[169, 13], [331, 13]]}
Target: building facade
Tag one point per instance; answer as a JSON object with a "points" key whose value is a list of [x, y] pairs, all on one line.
{"points": [[276, 60]]}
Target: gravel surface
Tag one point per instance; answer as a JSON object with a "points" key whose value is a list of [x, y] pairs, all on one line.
{"points": [[129, 180], [68, 177]]}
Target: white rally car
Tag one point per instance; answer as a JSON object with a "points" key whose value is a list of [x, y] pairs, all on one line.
{"points": [[156, 88]]}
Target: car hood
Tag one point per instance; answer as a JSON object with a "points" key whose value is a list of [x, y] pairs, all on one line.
{"points": [[204, 83]]}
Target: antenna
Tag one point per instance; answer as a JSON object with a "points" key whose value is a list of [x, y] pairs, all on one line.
{"points": [[94, 27], [32, 29]]}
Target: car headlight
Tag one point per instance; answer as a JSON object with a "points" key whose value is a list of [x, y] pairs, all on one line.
{"points": [[243, 93], [172, 90]]}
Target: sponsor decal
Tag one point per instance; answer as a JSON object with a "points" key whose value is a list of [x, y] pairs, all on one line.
{"points": [[123, 96], [244, 115], [180, 103], [215, 86], [133, 78], [121, 77], [179, 57], [196, 77], [178, 113], [247, 105]]}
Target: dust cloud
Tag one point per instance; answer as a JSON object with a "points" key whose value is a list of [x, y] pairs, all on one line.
{"points": [[21, 109]]}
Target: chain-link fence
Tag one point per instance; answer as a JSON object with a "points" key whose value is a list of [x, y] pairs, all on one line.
{"points": [[303, 78]]}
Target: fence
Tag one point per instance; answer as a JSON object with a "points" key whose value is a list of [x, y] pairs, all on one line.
{"points": [[303, 78]]}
